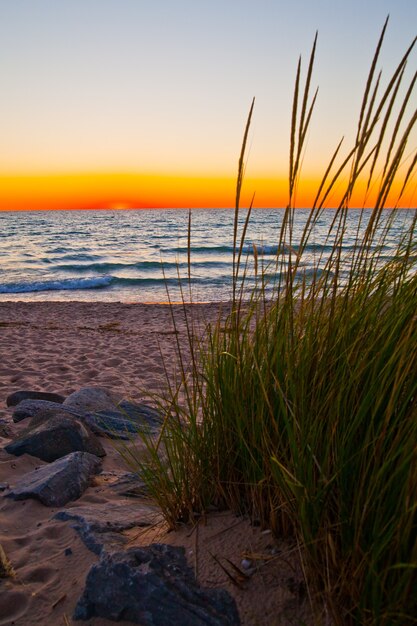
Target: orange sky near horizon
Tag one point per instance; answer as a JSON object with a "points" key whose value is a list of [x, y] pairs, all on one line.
{"points": [[122, 191], [130, 104], [129, 191]]}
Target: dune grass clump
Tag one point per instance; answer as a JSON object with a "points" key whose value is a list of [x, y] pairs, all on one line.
{"points": [[299, 406]]}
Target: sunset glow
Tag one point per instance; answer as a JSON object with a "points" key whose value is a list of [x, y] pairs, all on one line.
{"points": [[122, 191], [134, 191], [148, 108]]}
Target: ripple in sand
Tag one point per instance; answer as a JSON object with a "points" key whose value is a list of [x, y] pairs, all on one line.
{"points": [[13, 604]]}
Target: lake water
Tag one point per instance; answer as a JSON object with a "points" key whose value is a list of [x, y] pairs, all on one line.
{"points": [[134, 256]]}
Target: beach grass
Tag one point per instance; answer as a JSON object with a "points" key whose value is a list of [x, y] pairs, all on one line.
{"points": [[298, 407], [6, 568]]}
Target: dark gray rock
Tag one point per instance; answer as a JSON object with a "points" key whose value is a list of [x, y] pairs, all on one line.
{"points": [[91, 400], [52, 435], [32, 408], [107, 414], [125, 421], [152, 586], [125, 484], [100, 525], [14, 398], [141, 414], [59, 482], [129, 485]]}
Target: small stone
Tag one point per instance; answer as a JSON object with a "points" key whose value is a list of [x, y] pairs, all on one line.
{"points": [[246, 563]]}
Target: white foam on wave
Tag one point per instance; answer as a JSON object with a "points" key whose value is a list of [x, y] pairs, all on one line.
{"points": [[58, 285]]}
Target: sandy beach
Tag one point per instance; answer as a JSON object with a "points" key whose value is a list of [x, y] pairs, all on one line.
{"points": [[127, 348], [63, 346]]}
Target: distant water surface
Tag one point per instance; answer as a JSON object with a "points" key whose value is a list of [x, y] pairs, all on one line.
{"points": [[133, 256]]}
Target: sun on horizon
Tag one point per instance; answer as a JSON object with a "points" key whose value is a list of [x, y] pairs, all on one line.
{"points": [[118, 191]]}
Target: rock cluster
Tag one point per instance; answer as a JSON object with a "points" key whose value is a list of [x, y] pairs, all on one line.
{"points": [[64, 434], [101, 411]]}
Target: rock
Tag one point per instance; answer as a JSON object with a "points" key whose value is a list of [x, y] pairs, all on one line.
{"points": [[126, 484], [15, 398], [100, 525], [152, 586], [107, 414], [92, 400], [130, 485], [142, 414], [32, 408], [126, 420], [52, 435], [59, 482]]}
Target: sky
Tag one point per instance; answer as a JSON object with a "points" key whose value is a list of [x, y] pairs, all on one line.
{"points": [[133, 103]]}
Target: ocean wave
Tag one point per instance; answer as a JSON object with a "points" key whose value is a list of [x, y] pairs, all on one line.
{"points": [[274, 249], [102, 282], [204, 249], [142, 266], [223, 249], [248, 249], [75, 256], [107, 267], [57, 285]]}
